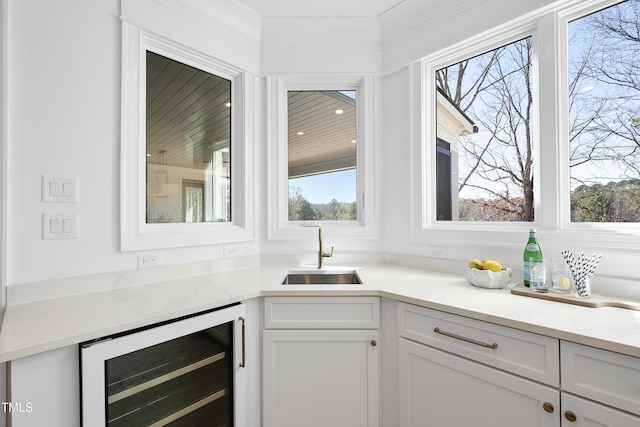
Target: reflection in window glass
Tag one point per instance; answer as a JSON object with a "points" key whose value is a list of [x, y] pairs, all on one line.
{"points": [[193, 201], [484, 147], [188, 128], [604, 115], [322, 155]]}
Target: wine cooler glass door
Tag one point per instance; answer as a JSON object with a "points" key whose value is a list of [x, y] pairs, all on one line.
{"points": [[186, 373]]}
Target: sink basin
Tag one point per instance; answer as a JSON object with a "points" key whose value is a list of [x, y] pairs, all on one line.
{"points": [[322, 278]]}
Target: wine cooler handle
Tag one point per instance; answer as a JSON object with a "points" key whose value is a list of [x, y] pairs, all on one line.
{"points": [[242, 363]]}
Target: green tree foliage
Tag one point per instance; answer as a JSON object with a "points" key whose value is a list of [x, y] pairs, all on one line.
{"points": [[611, 202], [300, 209]]}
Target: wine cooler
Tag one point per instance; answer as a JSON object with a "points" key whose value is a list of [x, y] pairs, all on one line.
{"points": [[184, 373]]}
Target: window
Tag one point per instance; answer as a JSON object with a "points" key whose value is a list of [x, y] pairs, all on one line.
{"points": [[604, 114], [322, 165], [186, 172], [188, 137], [576, 109], [484, 112], [320, 155]]}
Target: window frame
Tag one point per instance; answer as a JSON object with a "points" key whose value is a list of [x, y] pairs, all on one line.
{"points": [[136, 233], [564, 17], [548, 27], [279, 226], [425, 225]]}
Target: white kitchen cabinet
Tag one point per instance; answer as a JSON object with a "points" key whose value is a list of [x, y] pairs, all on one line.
{"points": [[455, 371], [580, 412], [46, 388], [522, 353], [319, 370], [593, 378], [444, 390]]}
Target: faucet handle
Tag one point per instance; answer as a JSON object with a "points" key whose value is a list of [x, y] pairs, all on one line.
{"points": [[327, 254]]}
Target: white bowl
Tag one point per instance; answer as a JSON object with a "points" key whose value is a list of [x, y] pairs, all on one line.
{"points": [[487, 278]]}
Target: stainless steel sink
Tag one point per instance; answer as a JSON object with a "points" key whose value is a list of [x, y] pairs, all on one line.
{"points": [[322, 278]]}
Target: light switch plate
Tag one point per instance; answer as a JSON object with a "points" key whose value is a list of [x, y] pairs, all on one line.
{"points": [[60, 189], [59, 226]]}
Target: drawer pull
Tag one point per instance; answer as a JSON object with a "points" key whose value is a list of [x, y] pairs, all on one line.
{"points": [[374, 343], [548, 407], [570, 416], [458, 337]]}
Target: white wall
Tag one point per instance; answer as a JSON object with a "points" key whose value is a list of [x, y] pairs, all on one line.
{"points": [[64, 61], [64, 85], [320, 45], [397, 172], [417, 28]]}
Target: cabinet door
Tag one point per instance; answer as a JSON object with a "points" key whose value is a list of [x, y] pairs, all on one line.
{"points": [[443, 390], [601, 376], [580, 412], [318, 378]]}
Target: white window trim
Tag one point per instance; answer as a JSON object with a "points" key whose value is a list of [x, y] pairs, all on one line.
{"points": [[424, 225], [552, 204], [136, 234], [279, 227], [624, 231]]}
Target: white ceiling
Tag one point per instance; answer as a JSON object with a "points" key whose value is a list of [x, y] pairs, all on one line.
{"points": [[323, 8]]}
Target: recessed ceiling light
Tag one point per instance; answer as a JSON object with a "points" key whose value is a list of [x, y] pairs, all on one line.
{"points": [[339, 112], [300, 133]]}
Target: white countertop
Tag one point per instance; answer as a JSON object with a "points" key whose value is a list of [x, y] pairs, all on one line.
{"points": [[37, 326]]}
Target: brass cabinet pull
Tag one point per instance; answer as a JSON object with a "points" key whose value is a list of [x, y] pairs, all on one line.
{"points": [[374, 343], [570, 416], [458, 337], [243, 364], [548, 407]]}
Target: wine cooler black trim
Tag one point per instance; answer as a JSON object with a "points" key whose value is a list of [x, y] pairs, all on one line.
{"points": [[88, 343]]}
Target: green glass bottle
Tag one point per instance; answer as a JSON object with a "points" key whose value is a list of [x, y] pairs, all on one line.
{"points": [[531, 250]]}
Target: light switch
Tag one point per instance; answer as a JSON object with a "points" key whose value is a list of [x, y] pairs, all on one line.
{"points": [[59, 226], [60, 189], [54, 189], [54, 226], [67, 189]]}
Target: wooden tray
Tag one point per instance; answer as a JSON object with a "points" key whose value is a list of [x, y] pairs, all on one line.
{"points": [[594, 301]]}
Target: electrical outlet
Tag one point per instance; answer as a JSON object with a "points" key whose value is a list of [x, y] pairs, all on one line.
{"points": [[145, 261], [231, 251], [437, 251]]}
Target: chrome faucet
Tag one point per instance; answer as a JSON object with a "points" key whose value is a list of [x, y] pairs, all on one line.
{"points": [[322, 255]]}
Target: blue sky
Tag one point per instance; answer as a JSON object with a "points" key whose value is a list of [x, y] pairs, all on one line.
{"points": [[323, 188]]}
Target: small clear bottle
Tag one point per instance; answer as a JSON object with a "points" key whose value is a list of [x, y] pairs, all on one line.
{"points": [[532, 250]]}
